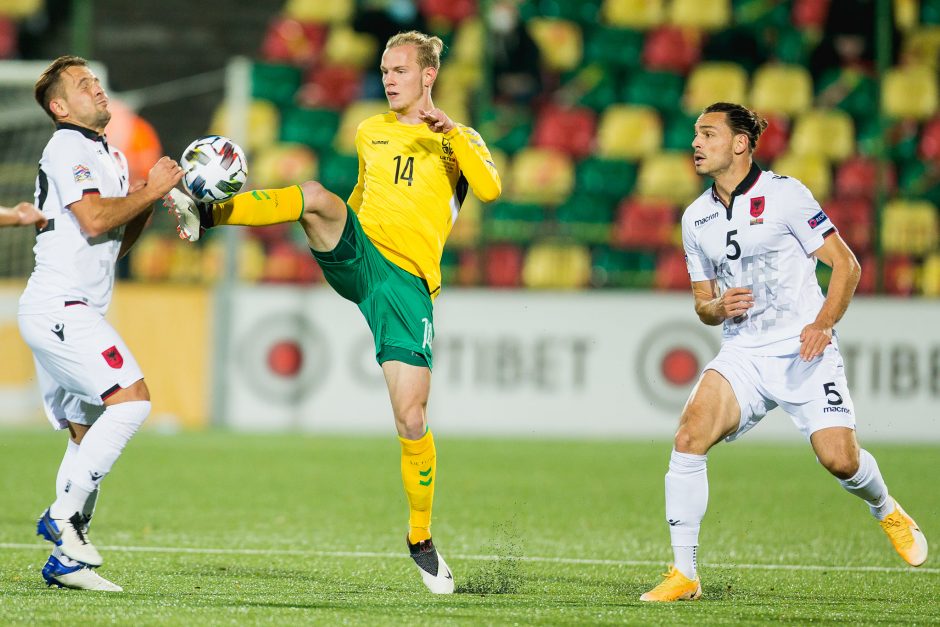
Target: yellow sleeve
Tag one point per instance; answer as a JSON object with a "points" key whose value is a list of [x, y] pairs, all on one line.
{"points": [[475, 162], [355, 198]]}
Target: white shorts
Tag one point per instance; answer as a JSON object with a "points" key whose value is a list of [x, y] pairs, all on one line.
{"points": [[80, 361], [815, 394]]}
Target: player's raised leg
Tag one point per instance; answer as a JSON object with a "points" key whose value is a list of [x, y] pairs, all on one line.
{"points": [[711, 413], [857, 471], [409, 387]]}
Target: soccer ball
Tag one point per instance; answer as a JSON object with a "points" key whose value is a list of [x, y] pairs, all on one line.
{"points": [[214, 168]]}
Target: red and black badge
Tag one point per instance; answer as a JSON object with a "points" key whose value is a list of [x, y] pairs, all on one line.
{"points": [[757, 206], [113, 357]]}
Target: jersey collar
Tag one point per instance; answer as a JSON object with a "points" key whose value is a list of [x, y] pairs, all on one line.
{"points": [[743, 187], [87, 132]]}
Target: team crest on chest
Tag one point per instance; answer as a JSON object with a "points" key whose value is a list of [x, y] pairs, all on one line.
{"points": [[757, 208]]}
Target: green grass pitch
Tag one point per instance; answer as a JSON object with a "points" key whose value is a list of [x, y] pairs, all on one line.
{"points": [[219, 528]]}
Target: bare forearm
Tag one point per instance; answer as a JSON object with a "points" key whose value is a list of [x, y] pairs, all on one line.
{"points": [[845, 278], [709, 312], [8, 217], [98, 215], [134, 228]]}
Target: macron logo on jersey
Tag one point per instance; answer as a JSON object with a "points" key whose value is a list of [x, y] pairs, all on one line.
{"points": [[817, 219], [81, 173], [707, 218]]}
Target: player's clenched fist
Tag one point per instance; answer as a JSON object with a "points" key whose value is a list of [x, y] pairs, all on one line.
{"points": [[164, 175], [735, 302]]}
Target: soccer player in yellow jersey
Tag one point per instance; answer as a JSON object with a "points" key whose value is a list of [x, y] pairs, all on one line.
{"points": [[383, 250]]}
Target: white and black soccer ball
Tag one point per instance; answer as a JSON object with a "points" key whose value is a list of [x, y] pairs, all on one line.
{"points": [[214, 168]]}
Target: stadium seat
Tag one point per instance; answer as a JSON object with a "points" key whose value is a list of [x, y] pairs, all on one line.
{"points": [[568, 129], [448, 12], [644, 224], [679, 131], [706, 15], [8, 38], [854, 219], [466, 230], [623, 268], [559, 43], [811, 170], [507, 127], [263, 127], [909, 92], [922, 47], [506, 221], [331, 86], [468, 44], [636, 14], [353, 115], [672, 49], [858, 178], [540, 175], [469, 268], [774, 141], [581, 11], [283, 164], [900, 275], [669, 177], [827, 132], [333, 12], [660, 90], [909, 227], [712, 82], [610, 178], [274, 82], [339, 172], [314, 127], [783, 89], [929, 147], [671, 271], [930, 276], [291, 41], [614, 47], [810, 14], [20, 9], [556, 266], [586, 219], [629, 132], [502, 266], [344, 46]]}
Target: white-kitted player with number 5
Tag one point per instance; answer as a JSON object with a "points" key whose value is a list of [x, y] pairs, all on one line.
{"points": [[90, 382], [751, 243]]}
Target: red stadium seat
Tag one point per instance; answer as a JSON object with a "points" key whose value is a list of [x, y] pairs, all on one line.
{"points": [[331, 86], [671, 271], [869, 273], [810, 14], [858, 178], [8, 41], [854, 219], [291, 41], [644, 224], [899, 276], [930, 140], [672, 49], [569, 130], [503, 266], [450, 11], [774, 140]]}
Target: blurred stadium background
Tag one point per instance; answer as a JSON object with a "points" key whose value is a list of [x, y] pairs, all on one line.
{"points": [[568, 296]]}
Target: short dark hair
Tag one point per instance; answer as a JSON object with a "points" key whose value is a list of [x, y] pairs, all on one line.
{"points": [[742, 120], [47, 87]]}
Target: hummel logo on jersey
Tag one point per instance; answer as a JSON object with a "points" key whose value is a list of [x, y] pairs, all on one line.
{"points": [[379, 141], [673, 523], [707, 218], [59, 330]]}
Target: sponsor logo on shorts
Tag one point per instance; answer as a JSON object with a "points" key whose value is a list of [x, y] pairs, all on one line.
{"points": [[817, 219], [113, 357], [837, 409], [59, 330], [707, 218], [81, 173]]}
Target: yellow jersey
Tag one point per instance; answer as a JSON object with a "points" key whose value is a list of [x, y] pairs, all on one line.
{"points": [[412, 182]]}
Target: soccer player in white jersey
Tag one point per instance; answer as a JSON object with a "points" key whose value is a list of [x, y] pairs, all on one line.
{"points": [[89, 380], [751, 242], [23, 214]]}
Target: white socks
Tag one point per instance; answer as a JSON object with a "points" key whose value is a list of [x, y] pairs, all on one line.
{"points": [[868, 485], [61, 480], [82, 470], [686, 502]]}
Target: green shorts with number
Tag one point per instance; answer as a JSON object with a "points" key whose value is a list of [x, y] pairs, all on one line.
{"points": [[395, 302]]}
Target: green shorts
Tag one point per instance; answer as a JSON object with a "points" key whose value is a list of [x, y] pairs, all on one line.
{"points": [[395, 302]]}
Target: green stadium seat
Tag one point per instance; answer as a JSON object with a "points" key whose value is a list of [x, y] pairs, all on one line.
{"points": [[623, 268], [851, 90], [339, 172], [507, 128], [660, 90], [586, 219], [921, 180], [679, 130], [277, 83], [611, 178], [513, 222], [614, 47], [593, 86], [314, 127], [583, 11], [930, 12]]}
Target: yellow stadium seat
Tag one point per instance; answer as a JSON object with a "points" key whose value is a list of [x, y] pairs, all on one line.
{"points": [[930, 276], [629, 132], [542, 176], [344, 46], [909, 227], [811, 170], [669, 177], [714, 82], [922, 46], [468, 43], [782, 89], [826, 132], [353, 116], [280, 165], [263, 125], [706, 15], [635, 14], [466, 230], [19, 9], [557, 266], [909, 92], [332, 12], [559, 42]]}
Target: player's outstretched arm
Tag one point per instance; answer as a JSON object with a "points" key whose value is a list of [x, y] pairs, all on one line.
{"points": [[97, 215], [714, 308], [474, 159], [23, 214], [846, 273]]}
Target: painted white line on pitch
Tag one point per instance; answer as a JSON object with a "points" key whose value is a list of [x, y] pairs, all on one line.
{"points": [[555, 560]]}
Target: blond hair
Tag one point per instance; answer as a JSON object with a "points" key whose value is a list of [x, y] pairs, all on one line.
{"points": [[429, 47]]}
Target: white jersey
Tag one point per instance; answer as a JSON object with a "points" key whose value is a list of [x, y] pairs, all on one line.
{"points": [[70, 266], [763, 241]]}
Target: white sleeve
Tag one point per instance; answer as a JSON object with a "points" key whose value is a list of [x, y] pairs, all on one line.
{"points": [[71, 167], [700, 267], [805, 218]]}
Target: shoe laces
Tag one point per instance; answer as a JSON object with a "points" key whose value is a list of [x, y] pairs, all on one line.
{"points": [[78, 523], [898, 530]]}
